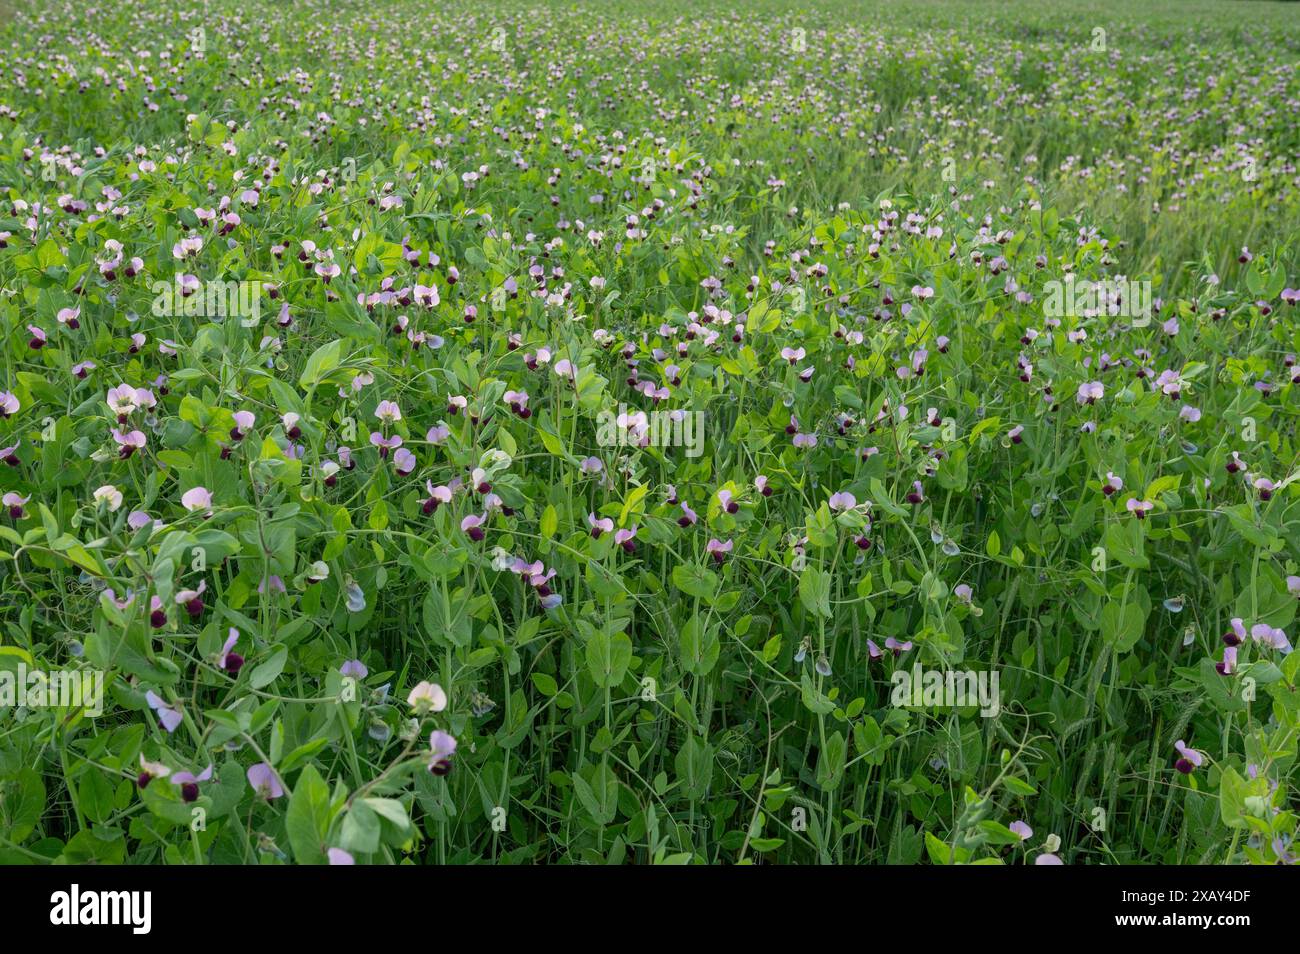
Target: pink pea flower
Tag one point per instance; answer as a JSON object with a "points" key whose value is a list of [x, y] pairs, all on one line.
{"points": [[404, 462], [1189, 758], [472, 525], [169, 716], [157, 614], [229, 660], [843, 501], [264, 781], [1270, 636], [150, 771], [197, 498], [1090, 391], [192, 600], [189, 783], [442, 746], [244, 421], [128, 442], [718, 549], [1139, 508], [437, 495], [385, 444], [896, 647]]}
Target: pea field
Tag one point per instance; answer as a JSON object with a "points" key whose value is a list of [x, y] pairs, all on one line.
{"points": [[819, 432]]}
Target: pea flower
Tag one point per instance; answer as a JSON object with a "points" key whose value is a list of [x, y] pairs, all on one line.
{"points": [[109, 495], [427, 697], [128, 442], [354, 669], [437, 495], [442, 746], [1139, 508], [189, 783], [842, 501], [404, 462], [150, 771], [196, 498], [1189, 758], [229, 660], [1090, 392], [169, 716], [264, 781], [718, 549], [472, 525]]}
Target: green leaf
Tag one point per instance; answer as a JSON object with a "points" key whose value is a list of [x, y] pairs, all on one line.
{"points": [[700, 647], [322, 361], [993, 546], [608, 657], [815, 591], [360, 830], [268, 671], [1122, 624], [307, 819], [695, 580]]}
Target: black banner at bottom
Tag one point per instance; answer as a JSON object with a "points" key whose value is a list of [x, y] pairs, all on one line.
{"points": [[299, 904]]}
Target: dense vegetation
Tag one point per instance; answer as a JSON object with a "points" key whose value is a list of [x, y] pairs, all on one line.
{"points": [[334, 330]]}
